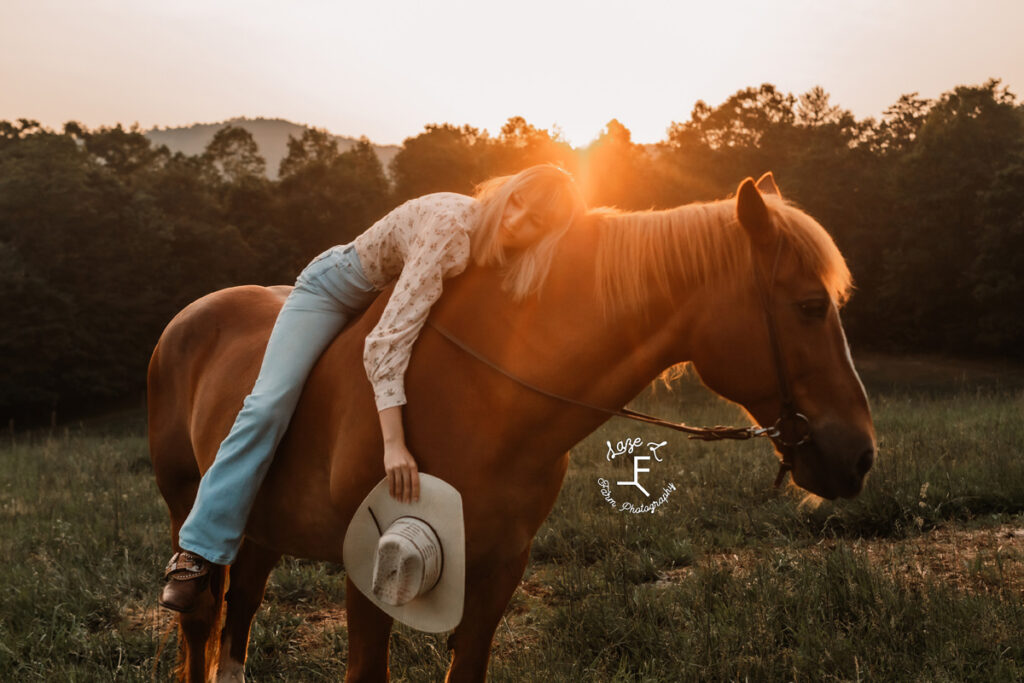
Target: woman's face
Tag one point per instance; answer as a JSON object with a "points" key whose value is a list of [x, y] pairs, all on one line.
{"points": [[520, 227]]}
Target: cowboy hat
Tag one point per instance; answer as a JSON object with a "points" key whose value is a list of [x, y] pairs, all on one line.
{"points": [[409, 559]]}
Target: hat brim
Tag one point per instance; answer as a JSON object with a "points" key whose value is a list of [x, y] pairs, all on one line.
{"points": [[440, 505]]}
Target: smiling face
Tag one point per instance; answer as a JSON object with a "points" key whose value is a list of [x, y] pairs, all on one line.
{"points": [[521, 227], [521, 221]]}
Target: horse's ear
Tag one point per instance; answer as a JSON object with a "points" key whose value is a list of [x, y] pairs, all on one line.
{"points": [[753, 214], [766, 184]]}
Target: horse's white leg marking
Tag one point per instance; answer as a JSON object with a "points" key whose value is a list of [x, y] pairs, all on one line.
{"points": [[228, 670]]}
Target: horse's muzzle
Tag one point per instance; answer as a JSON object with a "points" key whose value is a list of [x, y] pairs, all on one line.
{"points": [[834, 463]]}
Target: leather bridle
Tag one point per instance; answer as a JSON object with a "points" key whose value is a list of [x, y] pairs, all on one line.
{"points": [[790, 430]]}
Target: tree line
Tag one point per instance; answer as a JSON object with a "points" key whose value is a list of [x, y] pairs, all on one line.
{"points": [[104, 237]]}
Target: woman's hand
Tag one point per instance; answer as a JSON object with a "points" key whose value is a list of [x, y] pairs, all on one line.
{"points": [[399, 465], [403, 475]]}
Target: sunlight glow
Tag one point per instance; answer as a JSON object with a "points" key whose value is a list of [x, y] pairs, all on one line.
{"points": [[387, 69]]}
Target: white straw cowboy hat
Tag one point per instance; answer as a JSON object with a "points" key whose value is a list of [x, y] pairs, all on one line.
{"points": [[409, 559]]}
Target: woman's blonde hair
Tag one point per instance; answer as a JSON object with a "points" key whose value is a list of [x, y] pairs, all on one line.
{"points": [[551, 195]]}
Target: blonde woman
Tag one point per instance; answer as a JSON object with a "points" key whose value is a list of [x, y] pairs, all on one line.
{"points": [[513, 222]]}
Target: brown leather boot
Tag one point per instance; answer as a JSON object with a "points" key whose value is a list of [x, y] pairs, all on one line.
{"points": [[188, 575]]}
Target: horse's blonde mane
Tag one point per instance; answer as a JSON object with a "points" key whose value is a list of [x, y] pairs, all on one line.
{"points": [[699, 244]]}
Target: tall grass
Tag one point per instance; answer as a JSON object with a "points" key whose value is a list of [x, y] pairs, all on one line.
{"points": [[608, 596]]}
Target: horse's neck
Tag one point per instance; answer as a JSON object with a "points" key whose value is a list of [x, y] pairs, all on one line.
{"points": [[606, 354], [566, 340], [561, 341]]}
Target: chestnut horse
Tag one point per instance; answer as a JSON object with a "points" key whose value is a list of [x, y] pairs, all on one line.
{"points": [[629, 295]]}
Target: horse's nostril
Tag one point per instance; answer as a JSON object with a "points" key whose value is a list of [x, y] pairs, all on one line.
{"points": [[865, 461]]}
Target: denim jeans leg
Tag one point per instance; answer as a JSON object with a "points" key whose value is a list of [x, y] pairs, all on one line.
{"points": [[310, 318]]}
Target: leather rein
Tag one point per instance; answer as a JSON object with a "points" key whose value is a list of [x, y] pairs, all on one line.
{"points": [[791, 429]]}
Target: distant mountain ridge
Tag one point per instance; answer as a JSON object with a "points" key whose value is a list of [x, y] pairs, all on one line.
{"points": [[271, 135]]}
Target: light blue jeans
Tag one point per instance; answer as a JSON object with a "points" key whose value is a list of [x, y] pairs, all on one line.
{"points": [[328, 293]]}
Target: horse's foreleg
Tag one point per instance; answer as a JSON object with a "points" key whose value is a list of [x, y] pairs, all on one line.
{"points": [[368, 632], [247, 580], [487, 595]]}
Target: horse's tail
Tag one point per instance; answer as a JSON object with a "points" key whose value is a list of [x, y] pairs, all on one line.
{"points": [[170, 405]]}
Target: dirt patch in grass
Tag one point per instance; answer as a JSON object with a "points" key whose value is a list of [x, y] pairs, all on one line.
{"points": [[971, 560], [318, 622], [534, 589], [153, 619], [156, 619], [988, 560]]}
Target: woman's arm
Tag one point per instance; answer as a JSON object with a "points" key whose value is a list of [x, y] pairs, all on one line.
{"points": [[399, 465], [439, 248]]}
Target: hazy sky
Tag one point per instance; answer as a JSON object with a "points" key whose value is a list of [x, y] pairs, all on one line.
{"points": [[385, 69]]}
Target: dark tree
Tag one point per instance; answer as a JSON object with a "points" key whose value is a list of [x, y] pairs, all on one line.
{"points": [[968, 137], [998, 271], [235, 156], [444, 158], [521, 144], [325, 197]]}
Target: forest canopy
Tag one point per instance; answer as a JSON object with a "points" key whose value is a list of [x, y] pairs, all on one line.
{"points": [[104, 236]]}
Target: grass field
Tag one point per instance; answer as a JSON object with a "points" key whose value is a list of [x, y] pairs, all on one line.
{"points": [[921, 578]]}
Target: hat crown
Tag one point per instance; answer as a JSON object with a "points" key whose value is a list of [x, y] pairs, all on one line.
{"points": [[438, 607], [408, 562]]}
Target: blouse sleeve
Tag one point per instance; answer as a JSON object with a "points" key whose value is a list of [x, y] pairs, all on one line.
{"points": [[433, 255]]}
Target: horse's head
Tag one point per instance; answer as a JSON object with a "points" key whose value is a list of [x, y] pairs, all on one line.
{"points": [[795, 284]]}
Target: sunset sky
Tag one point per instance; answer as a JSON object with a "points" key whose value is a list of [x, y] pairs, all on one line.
{"points": [[384, 69]]}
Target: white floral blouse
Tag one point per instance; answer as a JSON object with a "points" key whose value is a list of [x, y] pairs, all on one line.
{"points": [[418, 244]]}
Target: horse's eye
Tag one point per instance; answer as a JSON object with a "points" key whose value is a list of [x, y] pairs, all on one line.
{"points": [[815, 308]]}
